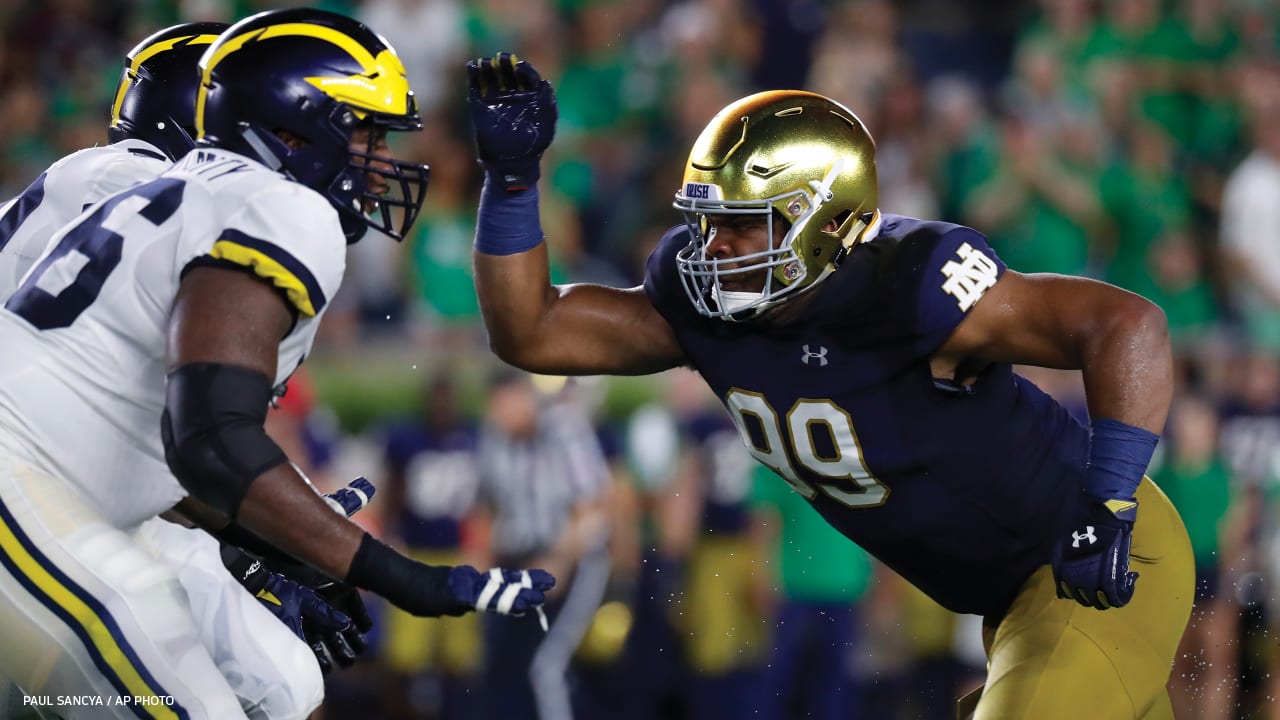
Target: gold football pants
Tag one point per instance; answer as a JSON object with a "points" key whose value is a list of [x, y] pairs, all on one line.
{"points": [[1051, 658]]}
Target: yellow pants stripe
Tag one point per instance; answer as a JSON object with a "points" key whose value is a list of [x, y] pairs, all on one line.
{"points": [[88, 619]]}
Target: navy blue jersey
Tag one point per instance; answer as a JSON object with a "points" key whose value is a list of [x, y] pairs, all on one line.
{"points": [[726, 472], [959, 490], [439, 473]]}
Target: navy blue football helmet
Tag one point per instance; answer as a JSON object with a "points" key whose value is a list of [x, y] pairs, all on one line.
{"points": [[156, 98], [319, 77]]}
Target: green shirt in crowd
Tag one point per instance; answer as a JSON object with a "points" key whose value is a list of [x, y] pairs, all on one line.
{"points": [[1201, 492], [815, 562]]}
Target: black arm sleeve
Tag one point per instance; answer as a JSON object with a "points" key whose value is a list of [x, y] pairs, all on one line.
{"points": [[246, 569], [214, 441], [239, 536], [412, 586]]}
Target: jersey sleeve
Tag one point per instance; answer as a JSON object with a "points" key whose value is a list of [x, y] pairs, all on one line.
{"points": [[29, 221], [108, 170], [290, 237], [26, 224], [58, 196], [957, 268], [662, 282]]}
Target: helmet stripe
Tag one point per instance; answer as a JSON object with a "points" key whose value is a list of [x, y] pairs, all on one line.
{"points": [[141, 56], [383, 88], [386, 92]]}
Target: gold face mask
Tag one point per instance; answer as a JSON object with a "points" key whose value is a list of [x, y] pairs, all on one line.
{"points": [[790, 155]]}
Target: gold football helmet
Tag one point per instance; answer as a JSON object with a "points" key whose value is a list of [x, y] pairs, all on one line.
{"points": [[793, 157]]}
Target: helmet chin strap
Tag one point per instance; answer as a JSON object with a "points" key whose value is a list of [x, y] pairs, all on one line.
{"points": [[264, 153], [731, 301]]}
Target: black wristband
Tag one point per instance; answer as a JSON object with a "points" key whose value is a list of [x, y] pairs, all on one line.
{"points": [[274, 559], [414, 587], [246, 569]]}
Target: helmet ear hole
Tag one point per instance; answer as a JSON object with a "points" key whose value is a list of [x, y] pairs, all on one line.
{"points": [[291, 140], [838, 225]]}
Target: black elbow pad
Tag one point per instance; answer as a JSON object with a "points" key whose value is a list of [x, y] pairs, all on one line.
{"points": [[212, 427]]}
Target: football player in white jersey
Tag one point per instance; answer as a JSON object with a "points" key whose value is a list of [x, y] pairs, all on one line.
{"points": [[152, 123], [177, 305]]}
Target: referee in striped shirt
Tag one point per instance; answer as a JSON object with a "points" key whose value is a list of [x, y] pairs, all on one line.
{"points": [[542, 478]]}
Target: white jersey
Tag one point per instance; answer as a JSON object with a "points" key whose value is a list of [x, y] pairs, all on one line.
{"points": [[82, 340], [61, 193]]}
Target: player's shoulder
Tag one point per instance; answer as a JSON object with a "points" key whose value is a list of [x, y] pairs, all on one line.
{"points": [[936, 270], [661, 282], [909, 250], [662, 260], [229, 172], [125, 151], [280, 229], [258, 200], [92, 173], [675, 238], [914, 279], [914, 237]]}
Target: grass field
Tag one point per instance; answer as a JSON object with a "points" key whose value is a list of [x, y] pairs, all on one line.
{"points": [[365, 388]]}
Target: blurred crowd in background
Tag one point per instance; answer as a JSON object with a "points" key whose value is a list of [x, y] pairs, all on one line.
{"points": [[1134, 141]]}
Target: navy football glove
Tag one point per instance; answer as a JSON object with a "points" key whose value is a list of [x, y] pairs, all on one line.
{"points": [[352, 498], [341, 645], [328, 615], [514, 113], [310, 617], [317, 622], [506, 592], [1091, 562]]}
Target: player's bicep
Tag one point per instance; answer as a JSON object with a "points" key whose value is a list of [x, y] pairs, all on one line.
{"points": [[615, 331], [228, 316], [1037, 319]]}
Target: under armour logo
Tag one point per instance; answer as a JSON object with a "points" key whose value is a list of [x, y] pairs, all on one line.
{"points": [[820, 356], [1088, 535]]}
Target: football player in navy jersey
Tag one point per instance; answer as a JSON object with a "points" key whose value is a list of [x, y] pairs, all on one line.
{"points": [[867, 359]]}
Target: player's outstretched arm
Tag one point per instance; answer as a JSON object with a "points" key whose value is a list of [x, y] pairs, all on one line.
{"points": [[574, 329], [224, 334], [1118, 339], [1121, 343]]}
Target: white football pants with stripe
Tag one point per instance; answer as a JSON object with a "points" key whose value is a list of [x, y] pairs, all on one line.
{"points": [[273, 673], [97, 624]]}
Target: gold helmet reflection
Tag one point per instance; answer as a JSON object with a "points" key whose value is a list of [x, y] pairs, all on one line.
{"points": [[791, 156]]}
